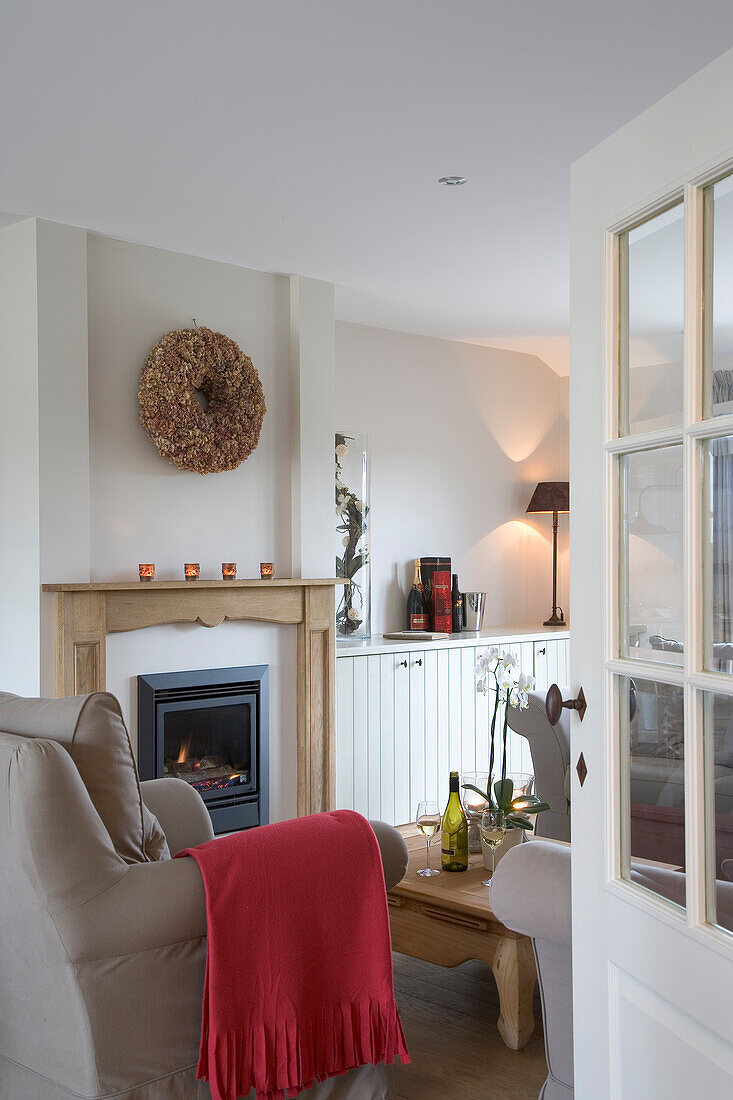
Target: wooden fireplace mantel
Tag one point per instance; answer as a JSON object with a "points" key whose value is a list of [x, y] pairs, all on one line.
{"points": [[86, 613]]}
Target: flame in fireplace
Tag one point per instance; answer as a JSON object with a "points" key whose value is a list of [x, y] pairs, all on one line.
{"points": [[184, 751]]}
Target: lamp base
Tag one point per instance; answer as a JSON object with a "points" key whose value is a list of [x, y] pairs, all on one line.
{"points": [[554, 620]]}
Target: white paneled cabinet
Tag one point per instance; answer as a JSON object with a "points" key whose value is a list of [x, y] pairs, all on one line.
{"points": [[407, 717]]}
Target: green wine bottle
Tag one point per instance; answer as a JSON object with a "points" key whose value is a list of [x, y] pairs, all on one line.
{"points": [[455, 831]]}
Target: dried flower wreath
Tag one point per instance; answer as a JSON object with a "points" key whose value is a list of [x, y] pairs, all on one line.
{"points": [[201, 401]]}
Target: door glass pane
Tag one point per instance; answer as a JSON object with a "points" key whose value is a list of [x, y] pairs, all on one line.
{"points": [[653, 786], [718, 720], [651, 340], [719, 297], [718, 557], [651, 586]]}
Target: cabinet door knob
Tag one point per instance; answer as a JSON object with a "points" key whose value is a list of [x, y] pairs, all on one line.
{"points": [[541, 652], [403, 664], [554, 704], [418, 661]]}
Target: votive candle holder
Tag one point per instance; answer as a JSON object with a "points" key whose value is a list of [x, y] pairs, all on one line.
{"points": [[147, 571], [267, 570], [191, 570], [228, 570]]}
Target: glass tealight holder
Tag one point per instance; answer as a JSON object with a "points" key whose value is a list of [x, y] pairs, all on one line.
{"points": [[191, 570], [147, 571], [267, 570], [228, 570], [522, 782], [474, 805]]}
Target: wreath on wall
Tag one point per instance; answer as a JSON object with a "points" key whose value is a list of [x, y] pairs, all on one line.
{"points": [[201, 401]]}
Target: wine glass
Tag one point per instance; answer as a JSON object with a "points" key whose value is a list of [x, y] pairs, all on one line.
{"points": [[493, 831], [427, 820]]}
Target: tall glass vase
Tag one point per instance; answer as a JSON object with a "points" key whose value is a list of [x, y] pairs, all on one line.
{"points": [[353, 600]]}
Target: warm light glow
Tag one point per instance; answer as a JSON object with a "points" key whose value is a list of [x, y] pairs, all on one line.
{"points": [[191, 570], [147, 571], [184, 751], [267, 570], [229, 570]]}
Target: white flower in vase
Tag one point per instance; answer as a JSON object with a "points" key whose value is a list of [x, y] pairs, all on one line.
{"points": [[353, 614], [342, 450]]}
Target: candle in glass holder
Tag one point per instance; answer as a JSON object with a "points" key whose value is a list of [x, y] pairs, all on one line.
{"points": [[228, 570], [147, 571], [191, 570], [267, 570]]}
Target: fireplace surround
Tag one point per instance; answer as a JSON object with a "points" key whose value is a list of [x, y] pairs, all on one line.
{"points": [[87, 612], [210, 728]]}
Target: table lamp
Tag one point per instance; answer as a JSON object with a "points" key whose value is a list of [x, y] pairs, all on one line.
{"points": [[552, 496]]}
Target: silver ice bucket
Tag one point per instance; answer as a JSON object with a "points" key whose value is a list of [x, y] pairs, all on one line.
{"points": [[473, 609]]}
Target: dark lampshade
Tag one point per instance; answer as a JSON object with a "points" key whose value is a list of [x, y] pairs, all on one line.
{"points": [[550, 496]]}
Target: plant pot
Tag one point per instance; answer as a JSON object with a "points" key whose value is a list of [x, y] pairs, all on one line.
{"points": [[512, 838]]}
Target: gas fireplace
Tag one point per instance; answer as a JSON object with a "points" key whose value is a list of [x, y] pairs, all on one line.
{"points": [[209, 728]]}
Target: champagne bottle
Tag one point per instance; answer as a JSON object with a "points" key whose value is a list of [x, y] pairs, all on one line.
{"points": [[457, 600], [454, 855], [417, 616]]}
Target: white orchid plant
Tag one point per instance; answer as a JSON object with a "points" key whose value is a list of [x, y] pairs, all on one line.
{"points": [[499, 673]]}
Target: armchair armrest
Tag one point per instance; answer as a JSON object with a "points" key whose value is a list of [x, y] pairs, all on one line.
{"points": [[159, 904], [152, 905], [394, 852], [532, 871], [181, 812]]}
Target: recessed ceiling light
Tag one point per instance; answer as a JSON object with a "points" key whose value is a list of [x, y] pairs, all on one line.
{"points": [[452, 181]]}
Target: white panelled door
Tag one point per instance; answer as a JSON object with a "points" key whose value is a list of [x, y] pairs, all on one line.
{"points": [[652, 597]]}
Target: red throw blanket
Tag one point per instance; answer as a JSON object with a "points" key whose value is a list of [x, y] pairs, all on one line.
{"points": [[298, 964]]}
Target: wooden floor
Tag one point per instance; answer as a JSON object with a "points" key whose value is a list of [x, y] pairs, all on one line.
{"points": [[449, 1017]]}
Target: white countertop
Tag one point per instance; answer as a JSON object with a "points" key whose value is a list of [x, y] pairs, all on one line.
{"points": [[347, 647]]}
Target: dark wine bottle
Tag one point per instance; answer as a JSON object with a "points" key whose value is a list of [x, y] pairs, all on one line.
{"points": [[417, 613], [457, 600]]}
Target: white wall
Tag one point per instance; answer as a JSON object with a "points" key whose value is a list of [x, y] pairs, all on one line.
{"points": [[459, 437], [19, 461], [144, 509]]}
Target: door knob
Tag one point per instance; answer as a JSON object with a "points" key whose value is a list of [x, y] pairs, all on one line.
{"points": [[403, 664], [418, 661], [554, 704]]}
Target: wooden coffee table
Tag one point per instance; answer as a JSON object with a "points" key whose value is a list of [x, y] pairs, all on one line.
{"points": [[447, 920]]}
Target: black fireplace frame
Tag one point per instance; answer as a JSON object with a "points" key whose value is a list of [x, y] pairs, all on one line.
{"points": [[230, 808]]}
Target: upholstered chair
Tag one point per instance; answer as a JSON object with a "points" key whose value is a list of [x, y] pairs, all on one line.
{"points": [[542, 870], [550, 748], [103, 940]]}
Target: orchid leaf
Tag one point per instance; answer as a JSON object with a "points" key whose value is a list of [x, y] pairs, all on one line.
{"points": [[526, 805], [354, 565], [504, 789], [519, 821], [470, 787]]}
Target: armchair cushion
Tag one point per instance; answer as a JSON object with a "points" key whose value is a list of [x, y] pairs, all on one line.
{"points": [[93, 732]]}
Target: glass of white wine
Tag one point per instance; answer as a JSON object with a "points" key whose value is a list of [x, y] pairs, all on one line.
{"points": [[493, 831], [427, 820]]}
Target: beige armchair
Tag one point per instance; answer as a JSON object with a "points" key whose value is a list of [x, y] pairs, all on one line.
{"points": [[550, 749], [546, 866], [104, 935]]}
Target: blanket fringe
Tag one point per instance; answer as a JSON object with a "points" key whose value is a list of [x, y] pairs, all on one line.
{"points": [[299, 1053]]}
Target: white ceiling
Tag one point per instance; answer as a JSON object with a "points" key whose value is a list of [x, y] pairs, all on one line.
{"points": [[307, 137]]}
